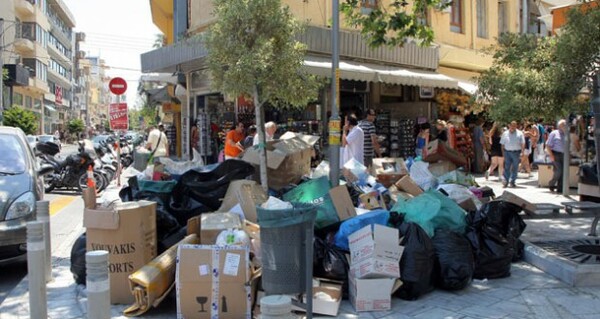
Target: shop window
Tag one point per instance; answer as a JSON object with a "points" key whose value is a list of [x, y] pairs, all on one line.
{"points": [[482, 19], [28, 102], [17, 99], [456, 15]]}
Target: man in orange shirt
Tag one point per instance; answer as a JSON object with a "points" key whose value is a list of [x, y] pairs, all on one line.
{"points": [[233, 146]]}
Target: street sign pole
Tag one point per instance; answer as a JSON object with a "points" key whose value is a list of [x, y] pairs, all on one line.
{"points": [[334, 120], [595, 104]]}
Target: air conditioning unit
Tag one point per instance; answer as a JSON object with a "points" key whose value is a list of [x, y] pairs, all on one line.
{"points": [[80, 37]]}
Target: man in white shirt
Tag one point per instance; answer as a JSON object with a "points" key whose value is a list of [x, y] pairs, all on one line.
{"points": [[270, 129], [158, 140], [353, 139], [513, 147]]}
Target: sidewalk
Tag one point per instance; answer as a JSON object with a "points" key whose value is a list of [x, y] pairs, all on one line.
{"points": [[527, 293]]}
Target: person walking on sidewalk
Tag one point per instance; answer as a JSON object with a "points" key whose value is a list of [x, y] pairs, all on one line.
{"points": [[370, 139], [353, 140], [513, 147], [555, 149], [497, 159], [233, 141]]}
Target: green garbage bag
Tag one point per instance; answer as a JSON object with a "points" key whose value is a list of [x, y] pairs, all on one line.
{"points": [[156, 186], [433, 210], [316, 192]]}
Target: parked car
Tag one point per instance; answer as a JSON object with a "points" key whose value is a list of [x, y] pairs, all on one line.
{"points": [[50, 138], [21, 186], [33, 140]]}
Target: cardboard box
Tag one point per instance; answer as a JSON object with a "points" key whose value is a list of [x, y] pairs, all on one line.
{"points": [[327, 296], [588, 190], [388, 170], [375, 242], [406, 184], [524, 204], [372, 200], [545, 175], [371, 294], [439, 151], [342, 202], [212, 224], [442, 167], [248, 194], [468, 205], [376, 268], [288, 159], [128, 232], [211, 282]]}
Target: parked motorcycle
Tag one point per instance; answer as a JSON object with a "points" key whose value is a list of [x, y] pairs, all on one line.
{"points": [[72, 171]]}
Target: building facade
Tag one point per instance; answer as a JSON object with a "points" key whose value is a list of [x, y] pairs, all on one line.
{"points": [[93, 92], [38, 35]]}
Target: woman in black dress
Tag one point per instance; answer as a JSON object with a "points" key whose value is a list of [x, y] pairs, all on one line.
{"points": [[497, 160]]}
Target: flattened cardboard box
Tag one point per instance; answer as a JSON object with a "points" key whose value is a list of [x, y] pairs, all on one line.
{"points": [[211, 282], [438, 151], [128, 233], [407, 184], [375, 242], [371, 294], [524, 204]]}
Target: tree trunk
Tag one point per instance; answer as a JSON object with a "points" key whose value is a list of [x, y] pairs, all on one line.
{"points": [[260, 130]]}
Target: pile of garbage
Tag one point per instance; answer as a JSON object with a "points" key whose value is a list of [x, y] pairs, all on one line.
{"points": [[401, 228]]}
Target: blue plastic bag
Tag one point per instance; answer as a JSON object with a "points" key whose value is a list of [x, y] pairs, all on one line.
{"points": [[349, 226]]}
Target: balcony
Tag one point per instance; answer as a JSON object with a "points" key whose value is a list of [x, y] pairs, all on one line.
{"points": [[188, 54], [58, 79], [38, 85], [24, 46], [24, 7]]}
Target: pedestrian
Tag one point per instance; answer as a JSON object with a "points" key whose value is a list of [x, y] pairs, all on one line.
{"points": [[233, 139], [555, 149], [270, 129], [525, 164], [497, 159], [371, 145], [442, 130], [422, 140], [353, 140], [540, 152], [195, 136], [157, 142], [478, 145], [575, 143], [513, 147], [249, 140]]}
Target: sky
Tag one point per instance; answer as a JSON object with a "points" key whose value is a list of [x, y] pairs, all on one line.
{"points": [[117, 31]]}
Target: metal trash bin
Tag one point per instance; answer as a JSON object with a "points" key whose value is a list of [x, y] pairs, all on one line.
{"points": [[286, 257], [140, 159]]}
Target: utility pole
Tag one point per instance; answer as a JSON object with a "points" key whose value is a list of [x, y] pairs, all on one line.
{"points": [[334, 120], [1, 71], [595, 104]]}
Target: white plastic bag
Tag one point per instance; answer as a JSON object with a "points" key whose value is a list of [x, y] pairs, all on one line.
{"points": [[419, 172], [460, 193], [233, 237], [321, 170], [276, 203], [179, 168]]}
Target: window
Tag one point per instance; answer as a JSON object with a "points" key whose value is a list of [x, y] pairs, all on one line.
{"points": [[28, 102], [456, 16], [502, 17], [17, 99], [482, 19]]}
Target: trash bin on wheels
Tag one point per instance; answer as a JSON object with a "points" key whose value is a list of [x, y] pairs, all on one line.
{"points": [[286, 237]]}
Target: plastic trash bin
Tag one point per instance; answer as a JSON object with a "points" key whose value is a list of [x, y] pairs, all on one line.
{"points": [[283, 235], [140, 159]]}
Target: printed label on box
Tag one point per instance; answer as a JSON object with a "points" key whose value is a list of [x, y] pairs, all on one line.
{"points": [[203, 270], [232, 264]]}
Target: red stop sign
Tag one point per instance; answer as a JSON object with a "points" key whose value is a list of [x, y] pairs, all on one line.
{"points": [[117, 86]]}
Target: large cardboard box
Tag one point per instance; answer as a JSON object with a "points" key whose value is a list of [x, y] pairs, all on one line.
{"points": [[288, 159], [376, 268], [128, 232], [545, 175], [211, 282], [438, 151], [371, 294], [407, 184], [375, 242], [212, 224], [388, 170]]}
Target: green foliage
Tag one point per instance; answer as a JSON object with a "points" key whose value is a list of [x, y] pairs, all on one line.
{"points": [[252, 51], [19, 117], [393, 24], [75, 126]]}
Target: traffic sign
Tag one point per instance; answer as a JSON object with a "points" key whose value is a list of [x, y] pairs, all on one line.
{"points": [[117, 86]]}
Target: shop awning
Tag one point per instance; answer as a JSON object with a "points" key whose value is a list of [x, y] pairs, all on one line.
{"points": [[467, 87], [369, 72], [50, 108]]}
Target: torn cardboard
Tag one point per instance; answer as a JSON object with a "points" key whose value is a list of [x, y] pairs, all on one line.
{"points": [[248, 194], [524, 204], [111, 229], [212, 282], [440, 151], [406, 184]]}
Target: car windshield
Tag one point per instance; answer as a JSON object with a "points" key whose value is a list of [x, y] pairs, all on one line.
{"points": [[46, 138], [12, 159]]}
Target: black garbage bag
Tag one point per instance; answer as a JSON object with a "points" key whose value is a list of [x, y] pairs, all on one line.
{"points": [[210, 187], [588, 173], [494, 232], [187, 208], [78, 260], [454, 264], [330, 262], [417, 262]]}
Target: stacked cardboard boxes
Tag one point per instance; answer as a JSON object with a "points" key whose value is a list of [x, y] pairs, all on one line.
{"points": [[374, 267]]}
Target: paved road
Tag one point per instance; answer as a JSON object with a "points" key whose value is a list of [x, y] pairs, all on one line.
{"points": [[66, 209]]}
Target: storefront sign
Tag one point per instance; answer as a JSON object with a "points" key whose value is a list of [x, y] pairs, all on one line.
{"points": [[118, 116]]}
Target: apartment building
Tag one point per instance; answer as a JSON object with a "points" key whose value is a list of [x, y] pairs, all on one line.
{"points": [[93, 95], [400, 81], [38, 35]]}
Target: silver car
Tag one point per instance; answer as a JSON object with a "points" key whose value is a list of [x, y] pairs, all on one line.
{"points": [[21, 186]]}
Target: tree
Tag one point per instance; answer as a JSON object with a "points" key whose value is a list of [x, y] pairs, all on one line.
{"points": [[392, 24], [24, 119], [253, 52], [159, 41], [75, 126]]}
